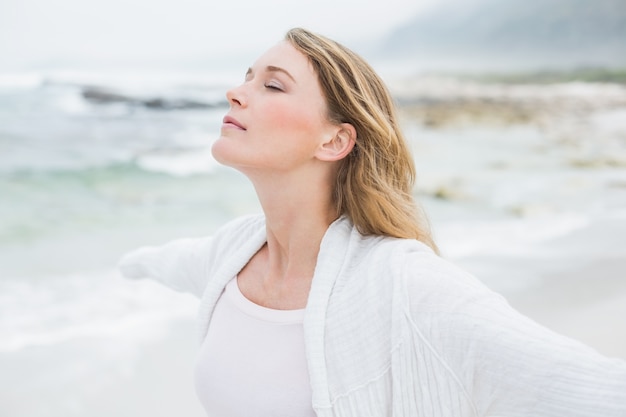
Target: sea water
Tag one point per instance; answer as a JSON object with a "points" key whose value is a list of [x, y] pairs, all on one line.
{"points": [[84, 180]]}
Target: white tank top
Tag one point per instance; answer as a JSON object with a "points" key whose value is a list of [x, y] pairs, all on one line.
{"points": [[252, 361]]}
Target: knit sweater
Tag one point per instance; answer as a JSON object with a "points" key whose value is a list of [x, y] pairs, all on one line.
{"points": [[391, 329]]}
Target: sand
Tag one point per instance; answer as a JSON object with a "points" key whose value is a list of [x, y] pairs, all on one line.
{"points": [[587, 304], [578, 288]]}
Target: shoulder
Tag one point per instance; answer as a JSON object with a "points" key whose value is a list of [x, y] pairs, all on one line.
{"points": [[239, 230], [415, 275], [429, 277], [236, 241], [243, 225], [409, 266], [410, 260]]}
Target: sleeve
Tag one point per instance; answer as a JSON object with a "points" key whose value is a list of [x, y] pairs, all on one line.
{"points": [[508, 364], [182, 264]]}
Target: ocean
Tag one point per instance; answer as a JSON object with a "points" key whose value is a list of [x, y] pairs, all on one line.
{"points": [[95, 164]]}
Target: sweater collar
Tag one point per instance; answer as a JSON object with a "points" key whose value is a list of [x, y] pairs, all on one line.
{"points": [[330, 260], [333, 250]]}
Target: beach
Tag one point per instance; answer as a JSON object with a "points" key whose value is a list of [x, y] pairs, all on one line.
{"points": [[582, 296], [524, 185], [552, 163]]}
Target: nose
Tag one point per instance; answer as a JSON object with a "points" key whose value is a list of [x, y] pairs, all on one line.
{"points": [[236, 96]]}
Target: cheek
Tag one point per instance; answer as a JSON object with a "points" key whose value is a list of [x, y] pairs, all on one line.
{"points": [[295, 121]]}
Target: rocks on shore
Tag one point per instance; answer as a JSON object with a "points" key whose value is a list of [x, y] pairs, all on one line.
{"points": [[439, 101], [102, 96]]}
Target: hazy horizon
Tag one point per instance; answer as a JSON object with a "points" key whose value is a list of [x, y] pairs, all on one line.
{"points": [[36, 35]]}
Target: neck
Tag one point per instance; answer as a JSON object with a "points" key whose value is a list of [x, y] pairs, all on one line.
{"points": [[298, 213]]}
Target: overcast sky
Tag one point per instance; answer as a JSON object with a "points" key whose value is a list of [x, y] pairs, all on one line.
{"points": [[40, 33]]}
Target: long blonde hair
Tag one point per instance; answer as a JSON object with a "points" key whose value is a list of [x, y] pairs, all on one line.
{"points": [[375, 181]]}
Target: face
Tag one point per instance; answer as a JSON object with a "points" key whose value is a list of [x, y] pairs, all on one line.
{"points": [[277, 119]]}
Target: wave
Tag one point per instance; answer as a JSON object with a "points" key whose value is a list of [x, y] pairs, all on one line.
{"points": [[151, 91], [59, 309], [180, 162]]}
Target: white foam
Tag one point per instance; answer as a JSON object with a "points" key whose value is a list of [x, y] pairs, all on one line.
{"points": [[94, 305], [179, 163], [71, 104]]}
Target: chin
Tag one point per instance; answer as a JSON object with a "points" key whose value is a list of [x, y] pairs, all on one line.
{"points": [[221, 153], [228, 154]]}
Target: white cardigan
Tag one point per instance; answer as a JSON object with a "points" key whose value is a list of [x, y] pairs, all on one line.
{"points": [[391, 329]]}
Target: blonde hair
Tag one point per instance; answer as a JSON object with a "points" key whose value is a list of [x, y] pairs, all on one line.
{"points": [[375, 181]]}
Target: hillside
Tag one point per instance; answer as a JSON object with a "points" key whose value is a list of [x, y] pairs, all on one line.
{"points": [[534, 33]]}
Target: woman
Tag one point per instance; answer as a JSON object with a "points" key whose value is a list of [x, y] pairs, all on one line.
{"points": [[334, 302]]}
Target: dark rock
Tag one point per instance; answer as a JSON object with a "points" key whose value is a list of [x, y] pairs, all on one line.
{"points": [[100, 96]]}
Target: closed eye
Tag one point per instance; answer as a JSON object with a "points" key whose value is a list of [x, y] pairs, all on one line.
{"points": [[272, 86]]}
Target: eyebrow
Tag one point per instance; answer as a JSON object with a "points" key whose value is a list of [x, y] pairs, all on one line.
{"points": [[272, 68]]}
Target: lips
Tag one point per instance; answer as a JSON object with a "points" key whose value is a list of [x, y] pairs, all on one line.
{"points": [[232, 122]]}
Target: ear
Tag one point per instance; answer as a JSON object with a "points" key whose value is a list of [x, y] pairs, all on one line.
{"points": [[339, 145]]}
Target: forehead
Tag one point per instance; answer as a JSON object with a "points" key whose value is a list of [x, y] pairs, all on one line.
{"points": [[285, 56]]}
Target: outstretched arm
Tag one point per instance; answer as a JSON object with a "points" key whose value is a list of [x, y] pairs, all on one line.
{"points": [[508, 364], [180, 264]]}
